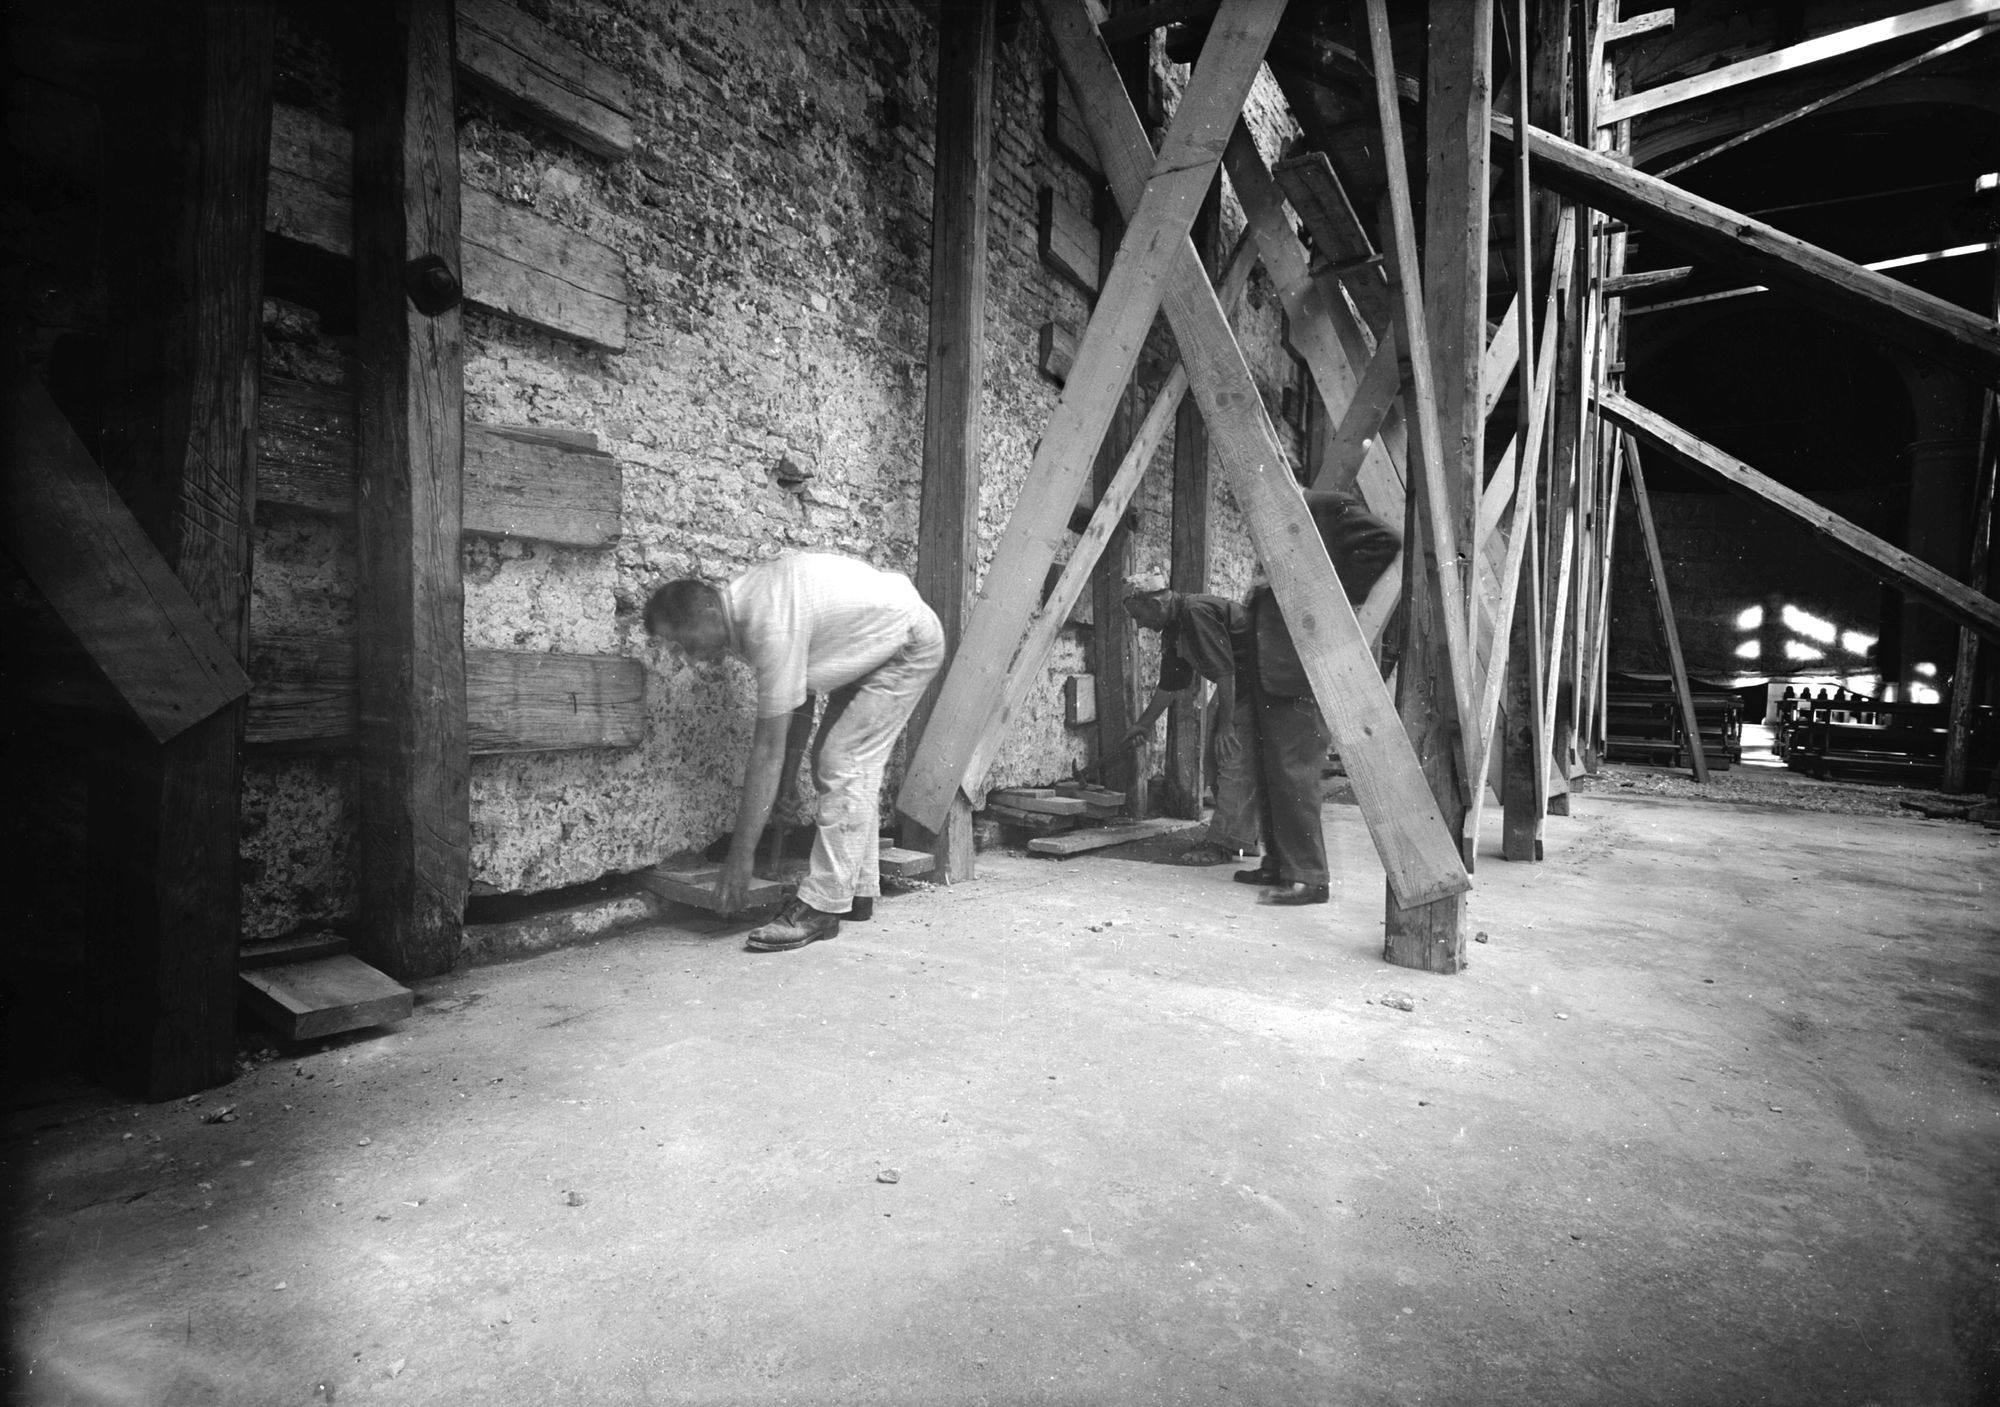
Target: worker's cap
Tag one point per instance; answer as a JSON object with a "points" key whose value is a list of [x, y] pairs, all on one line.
{"points": [[1145, 584]]}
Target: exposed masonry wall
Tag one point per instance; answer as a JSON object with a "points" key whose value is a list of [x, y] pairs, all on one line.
{"points": [[775, 226]]}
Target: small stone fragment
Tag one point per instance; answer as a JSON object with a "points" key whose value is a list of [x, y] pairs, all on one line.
{"points": [[888, 1175], [1401, 1001], [1562, 1016], [397, 1366], [1480, 936], [221, 1114], [572, 1199]]}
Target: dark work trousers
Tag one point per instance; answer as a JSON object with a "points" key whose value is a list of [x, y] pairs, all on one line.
{"points": [[1292, 739]]}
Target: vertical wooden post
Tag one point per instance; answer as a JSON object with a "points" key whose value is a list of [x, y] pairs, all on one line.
{"points": [[1189, 571], [1965, 676], [948, 522], [1523, 741], [184, 250], [1668, 626], [1458, 100], [410, 600]]}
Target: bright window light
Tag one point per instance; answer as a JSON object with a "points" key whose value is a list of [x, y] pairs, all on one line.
{"points": [[1750, 618], [1794, 650], [1923, 693], [1812, 627], [1748, 650], [1924, 671], [1855, 643]]}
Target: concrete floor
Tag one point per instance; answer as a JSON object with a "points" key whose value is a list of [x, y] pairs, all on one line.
{"points": [[1712, 1118]]}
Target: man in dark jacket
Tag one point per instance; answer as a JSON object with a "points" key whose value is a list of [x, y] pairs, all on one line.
{"points": [[1292, 736]]}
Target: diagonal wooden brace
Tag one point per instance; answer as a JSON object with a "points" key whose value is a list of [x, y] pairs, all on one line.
{"points": [[1156, 232], [1420, 857]]}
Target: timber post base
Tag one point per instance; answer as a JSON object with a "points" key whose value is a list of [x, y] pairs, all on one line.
{"points": [[1429, 937], [950, 848]]}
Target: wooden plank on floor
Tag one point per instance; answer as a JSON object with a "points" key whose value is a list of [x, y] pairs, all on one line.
{"points": [[77, 541], [898, 863], [504, 50], [413, 788], [1049, 805], [1972, 609], [694, 885], [293, 947], [1419, 856], [1110, 349], [1104, 837], [305, 1001]]}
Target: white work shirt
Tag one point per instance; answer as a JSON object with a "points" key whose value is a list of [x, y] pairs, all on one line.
{"points": [[814, 621]]}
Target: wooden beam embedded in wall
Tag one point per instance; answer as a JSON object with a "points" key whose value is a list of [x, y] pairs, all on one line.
{"points": [[948, 515], [510, 54], [413, 791], [183, 250]]}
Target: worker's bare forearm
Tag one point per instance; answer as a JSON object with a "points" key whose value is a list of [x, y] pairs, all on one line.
{"points": [[760, 787]]}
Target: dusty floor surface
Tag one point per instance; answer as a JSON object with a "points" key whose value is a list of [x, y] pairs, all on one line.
{"points": [[1712, 1118]]}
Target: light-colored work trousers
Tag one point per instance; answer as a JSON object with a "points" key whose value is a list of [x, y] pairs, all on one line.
{"points": [[856, 736], [1233, 825]]}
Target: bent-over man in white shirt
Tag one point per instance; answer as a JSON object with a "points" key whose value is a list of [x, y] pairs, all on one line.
{"points": [[813, 623]]}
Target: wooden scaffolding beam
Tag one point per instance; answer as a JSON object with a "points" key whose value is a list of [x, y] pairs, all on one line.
{"points": [[410, 602], [1669, 627], [184, 250], [948, 518]]}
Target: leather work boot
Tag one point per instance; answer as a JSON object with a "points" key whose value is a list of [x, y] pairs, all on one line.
{"points": [[796, 925]]}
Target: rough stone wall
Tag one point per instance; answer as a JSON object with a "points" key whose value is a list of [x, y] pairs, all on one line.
{"points": [[774, 222]]}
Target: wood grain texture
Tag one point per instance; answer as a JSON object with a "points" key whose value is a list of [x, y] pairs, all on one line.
{"points": [[1055, 351], [410, 602], [545, 274], [75, 539], [1111, 345], [304, 698], [1838, 287], [1062, 128], [1971, 609], [1792, 56], [504, 50], [1419, 856], [304, 1001], [511, 259], [1066, 240], [546, 483], [948, 509]]}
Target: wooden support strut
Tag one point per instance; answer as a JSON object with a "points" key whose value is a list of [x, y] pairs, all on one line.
{"points": [[1911, 575], [1643, 506], [1843, 289], [1418, 854], [969, 700], [414, 775], [948, 519]]}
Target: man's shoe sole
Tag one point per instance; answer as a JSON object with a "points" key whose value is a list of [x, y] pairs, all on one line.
{"points": [[1263, 877], [1304, 894]]}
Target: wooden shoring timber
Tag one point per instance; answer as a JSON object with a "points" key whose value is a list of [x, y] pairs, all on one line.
{"points": [[1648, 23], [1911, 575], [514, 261], [1503, 357], [1816, 277], [549, 484], [181, 256], [1669, 627], [1419, 855], [1323, 332], [1500, 490], [505, 51], [1363, 419], [1523, 740], [1938, 51], [1964, 678], [1156, 234], [413, 791], [1812, 51], [1314, 190], [1188, 555], [948, 514], [76, 540], [1027, 667], [1066, 240], [1432, 469], [304, 698]]}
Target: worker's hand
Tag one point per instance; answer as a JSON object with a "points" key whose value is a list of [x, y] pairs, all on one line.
{"points": [[732, 884]]}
